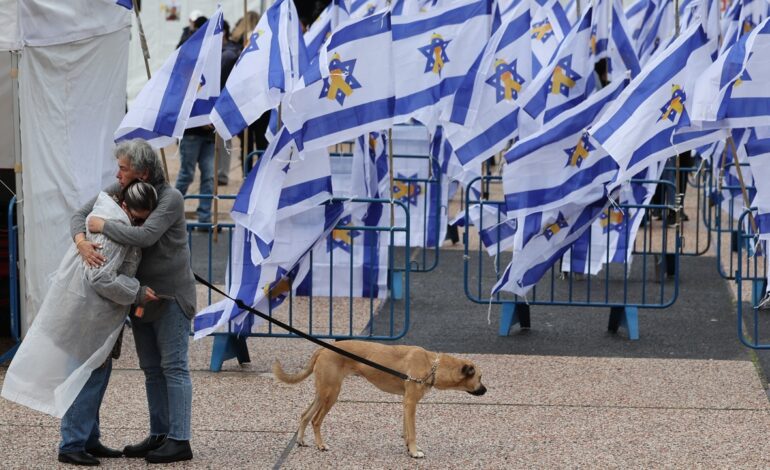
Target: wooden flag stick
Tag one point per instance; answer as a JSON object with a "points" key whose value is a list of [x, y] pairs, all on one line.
{"points": [[744, 192]]}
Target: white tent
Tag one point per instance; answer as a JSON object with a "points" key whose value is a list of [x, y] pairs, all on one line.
{"points": [[65, 90]]}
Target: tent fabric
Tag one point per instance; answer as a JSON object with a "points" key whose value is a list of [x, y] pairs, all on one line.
{"points": [[72, 98], [51, 22], [10, 39]]}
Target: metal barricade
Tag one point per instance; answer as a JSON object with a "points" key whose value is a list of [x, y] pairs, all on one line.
{"points": [[699, 242], [725, 224], [624, 287], [751, 273], [340, 314], [13, 280]]}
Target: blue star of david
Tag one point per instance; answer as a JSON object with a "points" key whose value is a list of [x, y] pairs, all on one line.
{"points": [[428, 52], [344, 69], [567, 73], [252, 47], [498, 81]]}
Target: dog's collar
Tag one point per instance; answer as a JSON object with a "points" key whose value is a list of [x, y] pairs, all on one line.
{"points": [[429, 379]]}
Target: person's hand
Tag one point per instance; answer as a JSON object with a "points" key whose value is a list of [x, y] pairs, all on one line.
{"points": [[149, 295], [91, 257], [95, 224]]}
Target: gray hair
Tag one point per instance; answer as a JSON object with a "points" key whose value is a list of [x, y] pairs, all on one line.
{"points": [[141, 157]]}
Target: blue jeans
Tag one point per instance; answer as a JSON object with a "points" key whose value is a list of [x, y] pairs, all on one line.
{"points": [[197, 150], [80, 424], [162, 349]]}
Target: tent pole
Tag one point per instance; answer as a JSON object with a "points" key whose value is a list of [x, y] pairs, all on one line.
{"points": [[146, 56]]}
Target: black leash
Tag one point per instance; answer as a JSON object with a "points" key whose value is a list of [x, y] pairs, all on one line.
{"points": [[306, 336]]}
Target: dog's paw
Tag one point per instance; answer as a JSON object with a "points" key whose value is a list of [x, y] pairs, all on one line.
{"points": [[417, 455], [322, 447], [301, 444]]}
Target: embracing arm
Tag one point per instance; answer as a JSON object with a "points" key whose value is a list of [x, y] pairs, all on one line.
{"points": [[86, 248], [170, 206], [106, 280]]}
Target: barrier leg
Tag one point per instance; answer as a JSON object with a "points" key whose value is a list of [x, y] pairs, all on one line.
{"points": [[758, 288], [626, 317], [734, 237], [227, 347], [513, 313], [396, 285]]}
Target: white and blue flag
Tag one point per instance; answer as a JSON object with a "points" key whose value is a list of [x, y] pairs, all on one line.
{"points": [[483, 116], [549, 26], [557, 231], [162, 109], [335, 13], [266, 285], [637, 15], [268, 67], [758, 151], [348, 89], [732, 92], [567, 79], [279, 186], [649, 122], [561, 162], [433, 52]]}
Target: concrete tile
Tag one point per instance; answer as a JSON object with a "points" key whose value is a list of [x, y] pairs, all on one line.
{"points": [[456, 436]]}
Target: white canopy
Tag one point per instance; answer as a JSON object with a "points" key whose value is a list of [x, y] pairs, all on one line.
{"points": [[71, 96]]}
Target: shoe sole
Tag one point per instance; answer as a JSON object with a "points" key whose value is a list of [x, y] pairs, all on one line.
{"points": [[178, 459]]}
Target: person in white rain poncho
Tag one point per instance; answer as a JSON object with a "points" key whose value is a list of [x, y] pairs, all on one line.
{"points": [[63, 365]]}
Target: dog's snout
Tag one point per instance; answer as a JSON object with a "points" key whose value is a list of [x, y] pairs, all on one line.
{"points": [[479, 391]]}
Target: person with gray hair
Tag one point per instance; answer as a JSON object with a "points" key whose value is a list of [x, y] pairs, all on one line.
{"points": [[63, 366], [161, 331]]}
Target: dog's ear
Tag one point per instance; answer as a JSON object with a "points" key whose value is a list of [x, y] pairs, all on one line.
{"points": [[468, 370]]}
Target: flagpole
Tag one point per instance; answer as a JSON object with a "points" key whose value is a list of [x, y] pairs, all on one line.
{"points": [[679, 200], [146, 56], [244, 40], [390, 173], [217, 140], [577, 9], [744, 192]]}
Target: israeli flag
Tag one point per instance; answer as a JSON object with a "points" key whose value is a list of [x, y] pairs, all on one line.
{"points": [[636, 15], [127, 4], [418, 186], [268, 67], [363, 8], [759, 158], [621, 52], [335, 13], [162, 109], [347, 90], [660, 33], [548, 28], [612, 234], [483, 116], [732, 93], [560, 163], [279, 186], [559, 229], [742, 18], [433, 52], [568, 79], [649, 120], [265, 286]]}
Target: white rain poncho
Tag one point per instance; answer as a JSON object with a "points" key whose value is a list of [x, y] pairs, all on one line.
{"points": [[77, 326]]}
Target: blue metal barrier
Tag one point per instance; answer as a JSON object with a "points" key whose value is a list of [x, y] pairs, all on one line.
{"points": [[751, 270], [13, 279], [334, 323], [649, 283], [726, 226], [250, 160]]}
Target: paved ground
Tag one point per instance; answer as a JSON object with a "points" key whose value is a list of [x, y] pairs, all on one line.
{"points": [[565, 393]]}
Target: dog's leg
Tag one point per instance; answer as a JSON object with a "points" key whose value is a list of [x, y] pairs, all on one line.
{"points": [[327, 400], [304, 420], [411, 397]]}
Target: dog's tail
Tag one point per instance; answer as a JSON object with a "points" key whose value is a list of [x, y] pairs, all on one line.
{"points": [[295, 378]]}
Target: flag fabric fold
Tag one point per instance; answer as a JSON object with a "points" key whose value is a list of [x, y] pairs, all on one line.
{"points": [[162, 109]]}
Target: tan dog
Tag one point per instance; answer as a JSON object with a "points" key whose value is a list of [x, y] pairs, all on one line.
{"points": [[429, 369]]}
